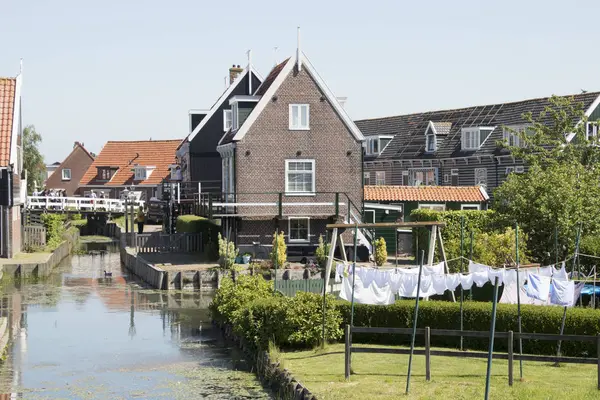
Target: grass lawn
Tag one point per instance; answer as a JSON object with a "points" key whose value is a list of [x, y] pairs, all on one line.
{"points": [[96, 239], [383, 376]]}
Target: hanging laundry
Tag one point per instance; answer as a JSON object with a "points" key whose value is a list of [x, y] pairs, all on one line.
{"points": [[439, 283], [546, 271], [382, 277], [396, 281], [408, 286], [480, 278], [452, 281], [367, 275], [339, 272], [560, 274], [362, 295], [509, 295], [474, 267], [437, 269], [562, 293], [538, 287], [496, 273], [510, 277], [466, 281]]}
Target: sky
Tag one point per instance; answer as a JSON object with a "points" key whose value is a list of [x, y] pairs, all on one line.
{"points": [[131, 69]]}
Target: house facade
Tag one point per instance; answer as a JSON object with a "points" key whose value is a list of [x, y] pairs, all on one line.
{"points": [[139, 166], [452, 147], [292, 161], [13, 184], [197, 156], [68, 174]]}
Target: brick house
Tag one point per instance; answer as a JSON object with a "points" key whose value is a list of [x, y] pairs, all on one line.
{"points": [[133, 165], [13, 185], [292, 161], [68, 174], [453, 147]]}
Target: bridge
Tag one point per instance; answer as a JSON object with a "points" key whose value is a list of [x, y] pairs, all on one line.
{"points": [[78, 204]]}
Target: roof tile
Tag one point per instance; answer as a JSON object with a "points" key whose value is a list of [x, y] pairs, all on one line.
{"points": [[468, 194], [7, 104]]}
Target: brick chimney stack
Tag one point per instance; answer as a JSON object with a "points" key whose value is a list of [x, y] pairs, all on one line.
{"points": [[234, 72]]}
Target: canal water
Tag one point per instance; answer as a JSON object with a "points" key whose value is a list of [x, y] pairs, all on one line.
{"points": [[81, 335]]}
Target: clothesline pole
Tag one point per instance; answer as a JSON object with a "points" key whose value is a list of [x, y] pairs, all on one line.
{"points": [[564, 317], [324, 294], [414, 332], [556, 245], [492, 333], [353, 275], [444, 258], [576, 258], [519, 302], [594, 291], [276, 247], [462, 258], [470, 258]]}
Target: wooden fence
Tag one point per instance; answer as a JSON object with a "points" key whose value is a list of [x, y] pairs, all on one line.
{"points": [[289, 287], [157, 242], [34, 236], [510, 356]]}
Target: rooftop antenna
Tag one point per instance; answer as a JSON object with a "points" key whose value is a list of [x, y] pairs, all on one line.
{"points": [[275, 55], [21, 66], [298, 53], [249, 53]]}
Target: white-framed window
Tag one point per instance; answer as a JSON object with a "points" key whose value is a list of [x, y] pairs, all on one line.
{"points": [[591, 130], [369, 217], [299, 229], [366, 178], [475, 207], [430, 143], [481, 177], [519, 169], [422, 176], [434, 207], [376, 144], [470, 138], [300, 176], [140, 174], [299, 117], [227, 120], [510, 134], [509, 170], [66, 174], [380, 178], [454, 177]]}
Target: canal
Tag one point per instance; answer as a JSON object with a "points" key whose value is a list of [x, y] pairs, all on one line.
{"points": [[81, 335]]}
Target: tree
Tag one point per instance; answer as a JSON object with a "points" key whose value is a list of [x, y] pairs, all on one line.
{"points": [[560, 189], [33, 161]]}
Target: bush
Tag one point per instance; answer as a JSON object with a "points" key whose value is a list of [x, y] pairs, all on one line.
{"points": [[208, 228], [227, 253], [55, 228], [477, 317], [380, 251], [279, 252], [322, 252]]}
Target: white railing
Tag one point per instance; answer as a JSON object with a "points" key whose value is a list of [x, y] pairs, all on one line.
{"points": [[77, 204]]}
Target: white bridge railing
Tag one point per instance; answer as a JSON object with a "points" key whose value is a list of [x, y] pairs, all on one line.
{"points": [[78, 204]]}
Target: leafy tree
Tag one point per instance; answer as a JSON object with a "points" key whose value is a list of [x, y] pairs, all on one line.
{"points": [[560, 188], [33, 161]]}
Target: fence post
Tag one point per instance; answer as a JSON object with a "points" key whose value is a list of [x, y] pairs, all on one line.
{"points": [[337, 205], [280, 205], [210, 206], [510, 358], [427, 354], [598, 351], [347, 352]]}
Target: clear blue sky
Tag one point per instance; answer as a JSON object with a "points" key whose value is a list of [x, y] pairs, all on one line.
{"points": [[127, 70]]}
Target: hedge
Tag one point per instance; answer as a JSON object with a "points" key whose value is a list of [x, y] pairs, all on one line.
{"points": [[208, 228], [477, 317]]}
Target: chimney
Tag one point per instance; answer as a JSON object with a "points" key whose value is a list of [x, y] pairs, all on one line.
{"points": [[234, 72]]}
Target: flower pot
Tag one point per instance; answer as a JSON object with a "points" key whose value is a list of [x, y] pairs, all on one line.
{"points": [[245, 259]]}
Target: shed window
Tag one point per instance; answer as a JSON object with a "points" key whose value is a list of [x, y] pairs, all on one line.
{"points": [[299, 228]]}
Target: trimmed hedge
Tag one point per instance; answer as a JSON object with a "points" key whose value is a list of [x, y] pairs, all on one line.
{"points": [[208, 228], [477, 317]]}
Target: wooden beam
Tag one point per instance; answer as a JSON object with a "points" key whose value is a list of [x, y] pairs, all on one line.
{"points": [[432, 241], [418, 224], [441, 242], [334, 236]]}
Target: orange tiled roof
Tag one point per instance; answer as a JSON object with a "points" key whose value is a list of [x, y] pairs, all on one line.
{"points": [[125, 154], [7, 106], [467, 194]]}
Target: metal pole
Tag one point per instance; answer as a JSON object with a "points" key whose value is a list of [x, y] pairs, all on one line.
{"points": [[353, 274], [324, 294], [556, 245], [462, 292], [276, 248], [519, 302], [471, 258], [577, 258], [414, 332], [491, 349]]}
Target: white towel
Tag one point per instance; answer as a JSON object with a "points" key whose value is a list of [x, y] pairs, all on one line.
{"points": [[562, 293], [496, 273], [466, 281], [439, 283], [481, 278], [546, 271], [436, 269], [474, 267], [560, 274], [362, 295], [452, 281], [510, 277], [382, 278], [538, 287]]}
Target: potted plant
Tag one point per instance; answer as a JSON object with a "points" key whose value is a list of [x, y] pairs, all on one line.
{"points": [[246, 258]]}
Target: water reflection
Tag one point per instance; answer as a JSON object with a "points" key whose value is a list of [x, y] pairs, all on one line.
{"points": [[82, 335]]}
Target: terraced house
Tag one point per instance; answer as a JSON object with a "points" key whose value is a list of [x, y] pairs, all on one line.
{"points": [[292, 161], [453, 147]]}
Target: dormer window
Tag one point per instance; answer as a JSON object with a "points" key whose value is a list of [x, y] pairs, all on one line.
{"points": [[591, 130], [511, 135], [374, 145], [141, 173], [474, 137], [234, 117], [106, 173], [227, 120], [430, 145]]}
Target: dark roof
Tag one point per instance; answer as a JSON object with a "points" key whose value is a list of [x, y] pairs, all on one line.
{"points": [[269, 80], [409, 130]]}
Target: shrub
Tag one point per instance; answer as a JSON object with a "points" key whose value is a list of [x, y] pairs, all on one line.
{"points": [[227, 253], [279, 252], [55, 228], [322, 252], [194, 224], [380, 251]]}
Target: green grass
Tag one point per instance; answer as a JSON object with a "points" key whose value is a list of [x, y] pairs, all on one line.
{"points": [[79, 222], [96, 238], [383, 376], [121, 222]]}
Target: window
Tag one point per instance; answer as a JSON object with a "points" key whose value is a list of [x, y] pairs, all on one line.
{"points": [[380, 178], [476, 207], [470, 139], [234, 116], [299, 117], [369, 217], [367, 178], [105, 174], [66, 174], [423, 176], [434, 207], [430, 145], [591, 130], [511, 135], [454, 177], [509, 170], [405, 178], [227, 120], [300, 176], [376, 144], [140, 174], [519, 169], [299, 229], [481, 177]]}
